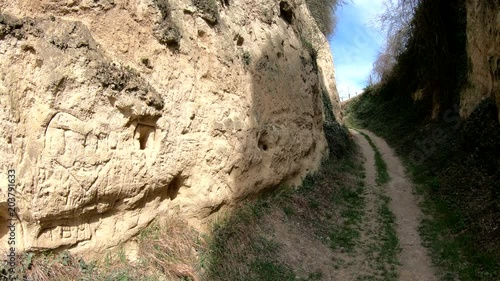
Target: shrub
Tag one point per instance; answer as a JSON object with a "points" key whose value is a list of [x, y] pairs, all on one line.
{"points": [[164, 8], [167, 32], [337, 137], [209, 10], [247, 58], [323, 12], [426, 49], [312, 52]]}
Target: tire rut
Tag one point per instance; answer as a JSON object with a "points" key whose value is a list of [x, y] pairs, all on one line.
{"points": [[415, 263]]}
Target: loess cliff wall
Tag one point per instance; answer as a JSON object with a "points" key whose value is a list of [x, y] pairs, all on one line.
{"points": [[114, 112], [483, 49]]}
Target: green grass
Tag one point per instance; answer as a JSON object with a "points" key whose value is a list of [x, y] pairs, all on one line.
{"points": [[386, 248], [328, 205], [382, 173], [457, 257], [271, 270], [238, 249], [344, 238], [389, 248], [351, 203]]}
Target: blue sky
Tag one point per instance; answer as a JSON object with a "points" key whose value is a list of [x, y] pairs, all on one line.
{"points": [[355, 44]]}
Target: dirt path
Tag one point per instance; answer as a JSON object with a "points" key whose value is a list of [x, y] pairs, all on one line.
{"points": [[359, 262], [350, 222], [415, 264]]}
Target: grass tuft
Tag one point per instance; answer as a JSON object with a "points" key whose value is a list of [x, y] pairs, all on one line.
{"points": [[166, 250], [323, 11], [382, 174], [208, 9]]}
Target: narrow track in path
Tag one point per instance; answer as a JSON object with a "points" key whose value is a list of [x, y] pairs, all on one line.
{"points": [[414, 261]]}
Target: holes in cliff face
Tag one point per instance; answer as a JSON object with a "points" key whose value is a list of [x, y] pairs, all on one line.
{"points": [[263, 146], [239, 40], [496, 70], [146, 62], [286, 12], [28, 48], [4, 221], [145, 134], [263, 142], [173, 187]]}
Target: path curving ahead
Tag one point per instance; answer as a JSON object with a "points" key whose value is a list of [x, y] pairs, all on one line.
{"points": [[415, 263]]}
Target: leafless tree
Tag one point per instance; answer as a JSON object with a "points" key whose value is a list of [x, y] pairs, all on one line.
{"points": [[323, 11], [395, 21]]}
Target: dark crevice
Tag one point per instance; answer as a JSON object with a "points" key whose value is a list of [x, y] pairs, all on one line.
{"points": [[174, 186], [263, 144], [145, 133], [286, 12]]}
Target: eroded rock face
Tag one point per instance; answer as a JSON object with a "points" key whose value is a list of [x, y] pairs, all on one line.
{"points": [[113, 112], [483, 49]]}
